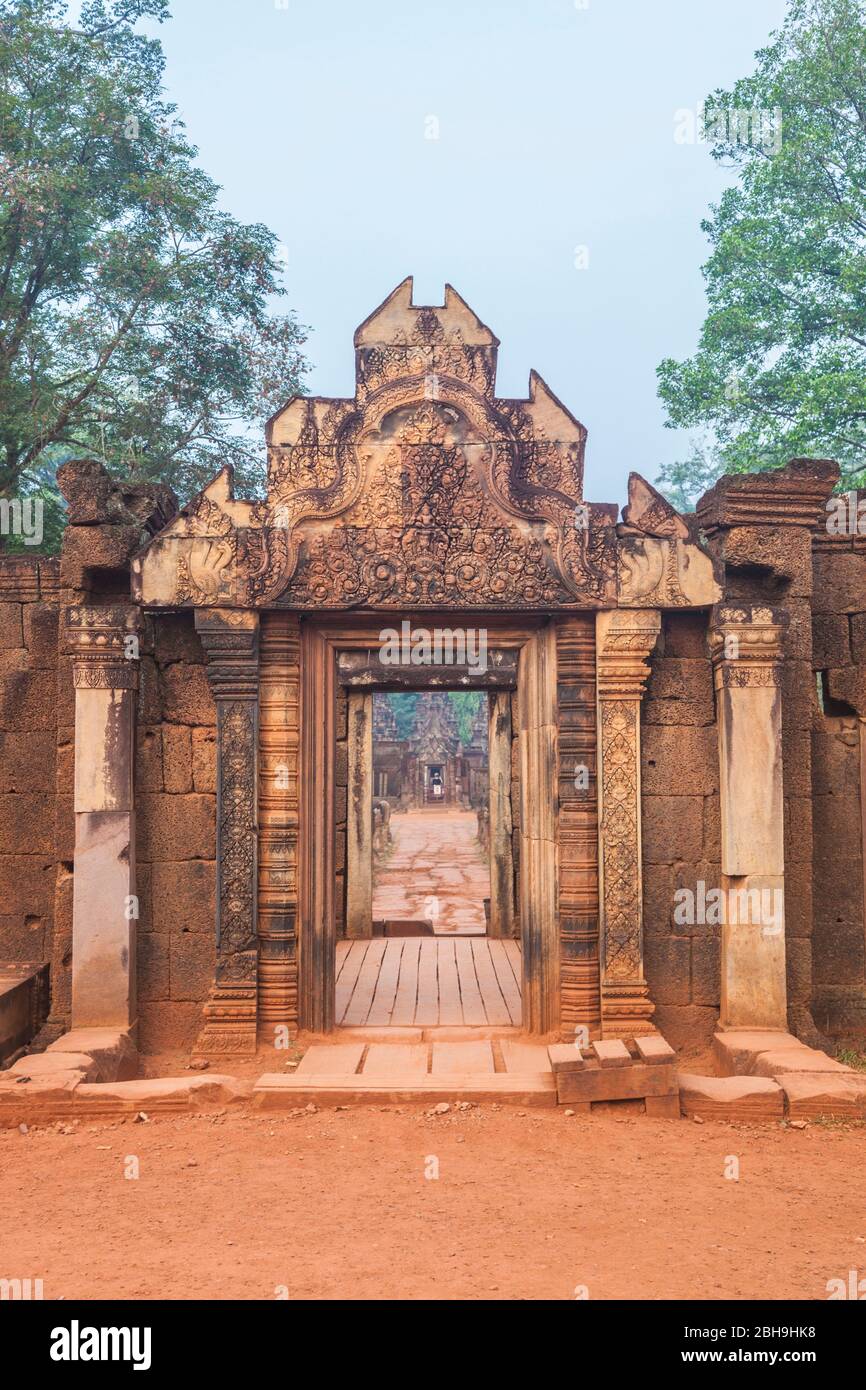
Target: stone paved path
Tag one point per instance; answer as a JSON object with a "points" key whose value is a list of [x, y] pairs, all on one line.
{"points": [[436, 871]]}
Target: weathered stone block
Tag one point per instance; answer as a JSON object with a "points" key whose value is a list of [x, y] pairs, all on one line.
{"points": [[730, 1097], [111, 1050], [672, 828], [630, 1082], [812, 1097], [175, 639], [26, 823], [831, 645], [41, 622], [154, 978], [653, 1049], [26, 764], [684, 635], [95, 547], [848, 684], [836, 758], [28, 883], [168, 1027], [22, 938], [176, 827], [857, 627], [667, 962], [27, 700], [686, 1025], [11, 629], [177, 758], [839, 582], [800, 1060], [611, 1052], [737, 1049], [192, 965], [679, 757], [186, 695], [148, 760], [658, 897], [706, 970], [184, 896], [204, 759]]}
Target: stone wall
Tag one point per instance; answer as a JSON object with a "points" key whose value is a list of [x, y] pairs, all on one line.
{"points": [[36, 717], [175, 774], [772, 555], [680, 827], [839, 660]]}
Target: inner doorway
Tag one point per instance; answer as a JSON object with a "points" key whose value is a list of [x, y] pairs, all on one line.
{"points": [[424, 946]]}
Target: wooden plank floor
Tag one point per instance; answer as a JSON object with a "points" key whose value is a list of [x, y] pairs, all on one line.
{"points": [[428, 981]]}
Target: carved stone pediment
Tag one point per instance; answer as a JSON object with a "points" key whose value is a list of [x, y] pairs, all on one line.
{"points": [[423, 490]]}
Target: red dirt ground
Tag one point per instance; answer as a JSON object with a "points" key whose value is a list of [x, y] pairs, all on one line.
{"points": [[526, 1206]]}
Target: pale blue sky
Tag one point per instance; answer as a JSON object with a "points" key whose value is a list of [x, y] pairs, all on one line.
{"points": [[556, 130]]}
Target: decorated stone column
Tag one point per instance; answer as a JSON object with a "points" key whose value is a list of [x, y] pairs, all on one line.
{"points": [[624, 640], [230, 638], [746, 648], [359, 834], [103, 642]]}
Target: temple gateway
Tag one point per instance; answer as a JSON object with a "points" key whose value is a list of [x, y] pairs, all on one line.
{"points": [[673, 712]]}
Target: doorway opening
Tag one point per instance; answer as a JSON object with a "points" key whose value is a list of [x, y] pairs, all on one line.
{"points": [[422, 947]]}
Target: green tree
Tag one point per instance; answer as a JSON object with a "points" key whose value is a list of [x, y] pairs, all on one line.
{"points": [[780, 370], [466, 704], [684, 482], [135, 316]]}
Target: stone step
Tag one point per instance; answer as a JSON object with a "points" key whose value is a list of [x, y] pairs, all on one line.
{"points": [[731, 1097], [278, 1092]]}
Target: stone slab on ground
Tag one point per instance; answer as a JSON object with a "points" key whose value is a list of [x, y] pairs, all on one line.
{"points": [[401, 1059], [461, 1058], [278, 1092], [49, 1063], [780, 1061], [565, 1057], [813, 1096], [634, 1082], [736, 1050], [382, 1035], [113, 1052], [156, 1095], [344, 1058], [652, 1048], [44, 1097], [731, 1097], [525, 1058], [611, 1052]]}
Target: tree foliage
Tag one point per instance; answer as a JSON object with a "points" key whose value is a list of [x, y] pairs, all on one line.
{"points": [[780, 369], [135, 314]]}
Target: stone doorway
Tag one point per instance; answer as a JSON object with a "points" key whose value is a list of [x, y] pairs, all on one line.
{"points": [[418, 945], [339, 672]]}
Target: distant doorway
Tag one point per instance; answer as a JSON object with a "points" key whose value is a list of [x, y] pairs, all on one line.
{"points": [[428, 959]]}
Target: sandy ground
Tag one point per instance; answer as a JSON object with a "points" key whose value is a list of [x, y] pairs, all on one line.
{"points": [[336, 1204]]}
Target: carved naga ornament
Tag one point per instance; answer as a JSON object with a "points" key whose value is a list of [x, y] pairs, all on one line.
{"points": [[424, 490]]}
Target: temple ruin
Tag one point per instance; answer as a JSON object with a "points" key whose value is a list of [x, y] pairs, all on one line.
{"points": [[673, 705]]}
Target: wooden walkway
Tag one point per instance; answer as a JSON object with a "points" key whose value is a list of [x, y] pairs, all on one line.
{"points": [[425, 982]]}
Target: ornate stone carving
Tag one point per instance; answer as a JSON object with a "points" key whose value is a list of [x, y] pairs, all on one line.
{"points": [[745, 644], [230, 640], [624, 642], [98, 638], [578, 825], [278, 822], [423, 490]]}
